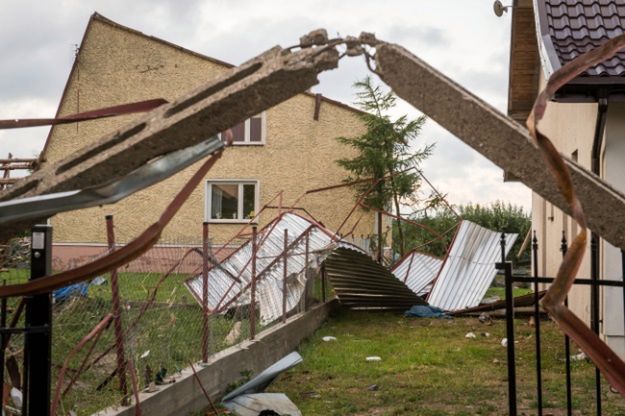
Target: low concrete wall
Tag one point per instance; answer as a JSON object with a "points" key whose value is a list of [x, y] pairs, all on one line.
{"points": [[225, 367]]}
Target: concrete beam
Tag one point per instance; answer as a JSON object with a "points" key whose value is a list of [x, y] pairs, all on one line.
{"points": [[497, 137]]}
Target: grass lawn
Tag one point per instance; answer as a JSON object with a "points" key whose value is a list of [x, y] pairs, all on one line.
{"points": [[429, 368]]}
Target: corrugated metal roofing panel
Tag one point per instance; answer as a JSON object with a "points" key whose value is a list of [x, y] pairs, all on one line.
{"points": [[417, 271], [223, 289], [361, 283], [469, 268]]}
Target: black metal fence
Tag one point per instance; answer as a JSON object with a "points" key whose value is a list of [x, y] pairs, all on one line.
{"points": [[535, 281]]}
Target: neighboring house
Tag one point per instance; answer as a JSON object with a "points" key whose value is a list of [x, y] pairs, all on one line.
{"points": [[290, 147], [586, 122]]}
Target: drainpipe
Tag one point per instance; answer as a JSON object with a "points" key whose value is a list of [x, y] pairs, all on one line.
{"points": [[602, 110]]}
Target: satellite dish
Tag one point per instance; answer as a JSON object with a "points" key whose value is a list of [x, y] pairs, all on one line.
{"points": [[499, 8]]}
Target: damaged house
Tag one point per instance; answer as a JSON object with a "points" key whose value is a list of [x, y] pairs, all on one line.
{"points": [[586, 123], [290, 148]]}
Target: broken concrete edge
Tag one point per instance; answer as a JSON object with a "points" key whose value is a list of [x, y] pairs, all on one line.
{"points": [[225, 367]]}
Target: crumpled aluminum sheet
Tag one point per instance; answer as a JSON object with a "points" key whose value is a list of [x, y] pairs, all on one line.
{"points": [[469, 268], [418, 271]]}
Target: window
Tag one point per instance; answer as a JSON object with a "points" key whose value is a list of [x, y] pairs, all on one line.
{"points": [[231, 201], [250, 132]]}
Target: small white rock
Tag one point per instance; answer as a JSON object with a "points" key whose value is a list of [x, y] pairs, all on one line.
{"points": [[328, 339], [16, 397], [470, 335], [145, 354], [504, 342], [373, 358]]}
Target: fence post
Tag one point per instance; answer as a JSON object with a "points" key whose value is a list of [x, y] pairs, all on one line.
{"points": [[323, 282], [205, 292], [507, 268], [3, 324], [253, 287], [567, 344], [594, 307], [539, 380], [284, 273], [308, 285], [117, 318], [38, 345]]}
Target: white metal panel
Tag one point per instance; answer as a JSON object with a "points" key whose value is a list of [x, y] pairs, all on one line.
{"points": [[417, 271], [469, 268], [223, 289]]}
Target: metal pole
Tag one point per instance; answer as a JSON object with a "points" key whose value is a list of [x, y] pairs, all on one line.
{"points": [[253, 287], [512, 407], [307, 286], [380, 254], [117, 317], [567, 345], [284, 273], [623, 280], [323, 282], [502, 243], [38, 345], [3, 324], [205, 292], [594, 307], [539, 380]]}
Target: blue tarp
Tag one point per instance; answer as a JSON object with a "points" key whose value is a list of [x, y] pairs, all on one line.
{"points": [[64, 293], [426, 311]]}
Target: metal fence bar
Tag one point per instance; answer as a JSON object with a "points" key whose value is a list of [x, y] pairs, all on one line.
{"points": [[539, 379], [117, 317], [205, 292], [3, 324], [594, 308], [38, 344], [252, 312], [567, 346], [512, 404], [284, 273]]}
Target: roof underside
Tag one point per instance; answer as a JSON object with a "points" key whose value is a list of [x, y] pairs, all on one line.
{"points": [[572, 27]]}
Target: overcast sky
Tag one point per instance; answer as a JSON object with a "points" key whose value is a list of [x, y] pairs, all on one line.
{"points": [[462, 38]]}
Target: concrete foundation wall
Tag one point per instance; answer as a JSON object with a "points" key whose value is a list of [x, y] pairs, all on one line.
{"points": [[225, 367]]}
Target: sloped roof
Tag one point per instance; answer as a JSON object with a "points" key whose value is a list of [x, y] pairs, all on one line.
{"points": [[569, 28], [96, 17]]}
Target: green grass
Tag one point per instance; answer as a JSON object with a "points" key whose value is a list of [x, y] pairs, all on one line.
{"points": [[429, 368], [501, 292]]}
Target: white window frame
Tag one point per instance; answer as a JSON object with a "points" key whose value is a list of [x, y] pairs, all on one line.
{"points": [[240, 182], [247, 129]]}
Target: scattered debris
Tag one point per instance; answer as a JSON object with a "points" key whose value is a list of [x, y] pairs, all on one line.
{"points": [[373, 387], [485, 318], [16, 397], [145, 354], [262, 380], [470, 335], [486, 334], [262, 404], [328, 338], [579, 357], [234, 334], [373, 358], [248, 399]]}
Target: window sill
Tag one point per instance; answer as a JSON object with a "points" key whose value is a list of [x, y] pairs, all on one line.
{"points": [[231, 221]]}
